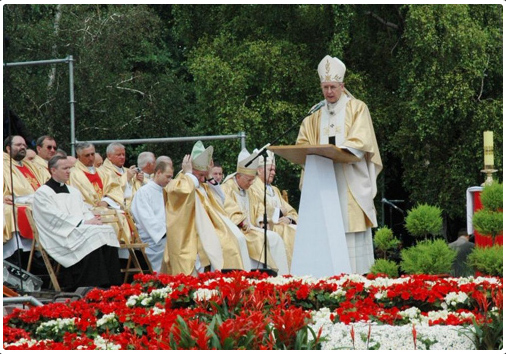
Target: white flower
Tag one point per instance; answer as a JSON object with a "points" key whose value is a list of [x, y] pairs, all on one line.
{"points": [[380, 295], [204, 294], [111, 317], [410, 313], [161, 293], [393, 337], [57, 325], [454, 298], [158, 310], [28, 342], [146, 301], [103, 344], [338, 293]]}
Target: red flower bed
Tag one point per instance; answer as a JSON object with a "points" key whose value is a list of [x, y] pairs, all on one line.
{"points": [[243, 310]]}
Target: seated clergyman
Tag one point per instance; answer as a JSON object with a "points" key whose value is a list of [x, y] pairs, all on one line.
{"points": [[72, 235]]}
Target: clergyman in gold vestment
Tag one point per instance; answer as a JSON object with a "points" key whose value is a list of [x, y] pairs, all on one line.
{"points": [[345, 121], [199, 234]]}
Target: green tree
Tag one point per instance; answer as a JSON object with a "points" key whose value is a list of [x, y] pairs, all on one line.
{"points": [[449, 93]]}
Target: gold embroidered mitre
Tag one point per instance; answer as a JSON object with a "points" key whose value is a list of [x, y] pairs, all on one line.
{"points": [[331, 70]]}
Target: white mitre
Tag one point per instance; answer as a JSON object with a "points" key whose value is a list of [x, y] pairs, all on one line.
{"points": [[331, 70], [271, 159], [201, 157], [242, 161]]}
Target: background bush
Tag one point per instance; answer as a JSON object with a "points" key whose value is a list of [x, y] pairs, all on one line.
{"points": [[428, 257]]}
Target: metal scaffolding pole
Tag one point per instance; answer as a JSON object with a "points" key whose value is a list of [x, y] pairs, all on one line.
{"points": [[69, 60], [241, 135]]}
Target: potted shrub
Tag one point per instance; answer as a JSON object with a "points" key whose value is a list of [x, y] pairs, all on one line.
{"points": [[487, 260], [428, 257], [489, 220], [385, 266], [384, 241], [424, 220]]}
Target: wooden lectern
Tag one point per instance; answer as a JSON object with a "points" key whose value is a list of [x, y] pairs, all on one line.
{"points": [[320, 248]]}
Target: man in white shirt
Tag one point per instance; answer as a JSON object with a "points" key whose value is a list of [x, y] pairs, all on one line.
{"points": [[148, 209], [72, 235]]}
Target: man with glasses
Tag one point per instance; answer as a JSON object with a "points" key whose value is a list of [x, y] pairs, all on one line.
{"points": [[46, 148], [20, 182]]}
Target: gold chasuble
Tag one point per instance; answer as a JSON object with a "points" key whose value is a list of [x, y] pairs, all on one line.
{"points": [[41, 164], [26, 180], [121, 176], [237, 211], [196, 229], [276, 208], [95, 186], [356, 132]]}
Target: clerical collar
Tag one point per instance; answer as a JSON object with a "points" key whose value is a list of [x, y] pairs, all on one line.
{"points": [[58, 187], [332, 106], [91, 169], [119, 169]]}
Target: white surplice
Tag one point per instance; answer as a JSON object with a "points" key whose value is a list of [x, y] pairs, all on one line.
{"points": [[57, 216], [148, 209]]}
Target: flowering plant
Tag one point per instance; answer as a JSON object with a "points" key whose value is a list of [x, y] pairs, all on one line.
{"points": [[249, 310]]}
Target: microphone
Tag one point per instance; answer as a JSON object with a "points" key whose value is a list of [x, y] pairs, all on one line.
{"points": [[317, 107], [385, 201], [258, 152]]}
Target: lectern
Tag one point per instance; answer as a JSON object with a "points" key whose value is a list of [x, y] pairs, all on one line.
{"points": [[320, 248]]}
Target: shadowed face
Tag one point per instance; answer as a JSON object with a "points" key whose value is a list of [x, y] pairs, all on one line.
{"points": [[244, 181], [271, 173], [163, 178], [98, 160], [201, 175]]}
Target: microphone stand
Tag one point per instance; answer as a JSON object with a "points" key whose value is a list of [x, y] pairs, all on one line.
{"points": [[15, 218], [263, 152]]}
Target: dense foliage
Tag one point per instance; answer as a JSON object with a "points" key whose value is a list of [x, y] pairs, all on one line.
{"points": [[487, 260], [431, 75], [428, 257]]}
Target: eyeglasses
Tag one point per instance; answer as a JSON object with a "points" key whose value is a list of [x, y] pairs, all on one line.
{"points": [[51, 147]]}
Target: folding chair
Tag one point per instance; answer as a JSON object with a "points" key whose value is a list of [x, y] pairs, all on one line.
{"points": [[128, 239], [52, 266]]}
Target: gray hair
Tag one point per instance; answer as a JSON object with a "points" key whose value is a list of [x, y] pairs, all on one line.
{"points": [[144, 158], [81, 146], [112, 147]]}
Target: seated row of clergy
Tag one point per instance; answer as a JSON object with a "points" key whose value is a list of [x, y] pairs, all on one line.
{"points": [[99, 187], [207, 227], [96, 188]]}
